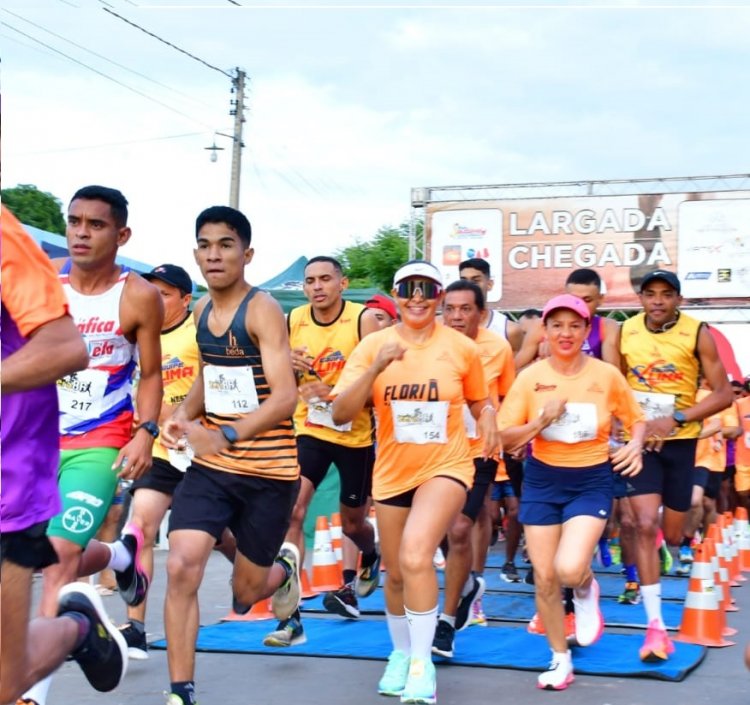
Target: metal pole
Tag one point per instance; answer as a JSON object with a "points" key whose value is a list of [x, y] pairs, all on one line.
{"points": [[239, 118]]}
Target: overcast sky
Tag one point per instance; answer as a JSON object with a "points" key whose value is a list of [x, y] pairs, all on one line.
{"points": [[349, 107]]}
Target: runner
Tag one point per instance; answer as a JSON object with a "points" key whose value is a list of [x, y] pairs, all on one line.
{"points": [[418, 375], [742, 449], [244, 474], [478, 271], [323, 334], [564, 405], [385, 309], [40, 343], [115, 310], [463, 306], [152, 493], [662, 352]]}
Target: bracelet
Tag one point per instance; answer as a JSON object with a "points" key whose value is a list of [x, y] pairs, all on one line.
{"points": [[485, 407]]}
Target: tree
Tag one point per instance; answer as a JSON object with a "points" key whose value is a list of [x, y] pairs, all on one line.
{"points": [[372, 264], [35, 207]]}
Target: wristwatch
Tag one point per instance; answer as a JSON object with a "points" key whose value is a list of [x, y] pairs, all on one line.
{"points": [[151, 427], [230, 433], [679, 418]]}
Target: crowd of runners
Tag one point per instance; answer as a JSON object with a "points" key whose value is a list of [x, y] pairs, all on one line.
{"points": [[567, 432]]}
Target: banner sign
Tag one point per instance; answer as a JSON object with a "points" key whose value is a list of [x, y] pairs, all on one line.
{"points": [[532, 245]]}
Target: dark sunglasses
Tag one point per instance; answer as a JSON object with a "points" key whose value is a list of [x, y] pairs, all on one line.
{"points": [[426, 288]]}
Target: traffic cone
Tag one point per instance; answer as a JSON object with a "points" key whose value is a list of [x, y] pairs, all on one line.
{"points": [[337, 537], [307, 591], [730, 540], [722, 589], [714, 532], [325, 569], [743, 538], [259, 611], [701, 616]]}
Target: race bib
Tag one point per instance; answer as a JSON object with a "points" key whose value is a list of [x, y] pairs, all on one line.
{"points": [[578, 423], [229, 390], [81, 394], [470, 423], [180, 459], [319, 414], [420, 422], [653, 405]]}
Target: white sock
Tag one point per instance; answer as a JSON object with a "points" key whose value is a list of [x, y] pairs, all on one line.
{"points": [[468, 585], [38, 691], [398, 628], [651, 595], [450, 618], [120, 558], [422, 632]]}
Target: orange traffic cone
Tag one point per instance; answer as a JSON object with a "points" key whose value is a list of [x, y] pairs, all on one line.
{"points": [[701, 616], [743, 538], [337, 537], [714, 532], [325, 568], [260, 610], [730, 539], [307, 591], [722, 590]]}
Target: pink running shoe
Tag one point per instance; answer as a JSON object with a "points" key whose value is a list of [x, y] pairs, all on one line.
{"points": [[658, 646], [133, 581]]}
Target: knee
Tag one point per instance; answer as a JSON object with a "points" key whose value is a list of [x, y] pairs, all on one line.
{"points": [[183, 571], [572, 575], [297, 517], [415, 559], [646, 526], [247, 590], [545, 581], [459, 536], [352, 522]]}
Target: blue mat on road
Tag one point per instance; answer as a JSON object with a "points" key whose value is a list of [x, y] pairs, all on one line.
{"points": [[505, 607], [493, 647]]}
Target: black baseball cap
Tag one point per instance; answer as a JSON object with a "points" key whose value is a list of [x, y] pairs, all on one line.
{"points": [[173, 275], [662, 275]]}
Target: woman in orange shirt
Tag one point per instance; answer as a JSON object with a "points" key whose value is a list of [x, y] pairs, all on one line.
{"points": [[418, 375], [564, 405]]}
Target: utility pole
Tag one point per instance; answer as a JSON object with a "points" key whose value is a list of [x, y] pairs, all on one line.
{"points": [[238, 110]]}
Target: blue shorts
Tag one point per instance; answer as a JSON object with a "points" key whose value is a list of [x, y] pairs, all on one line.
{"points": [[552, 495], [501, 490]]}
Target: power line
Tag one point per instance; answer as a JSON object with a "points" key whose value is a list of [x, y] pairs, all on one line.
{"points": [[104, 75], [101, 56], [164, 41]]}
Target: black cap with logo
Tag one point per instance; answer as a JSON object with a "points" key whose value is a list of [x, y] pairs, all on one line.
{"points": [[173, 275], [661, 275]]}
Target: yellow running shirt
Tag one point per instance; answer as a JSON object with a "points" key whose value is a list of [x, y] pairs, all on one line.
{"points": [[330, 346], [419, 404], [711, 452], [662, 368]]}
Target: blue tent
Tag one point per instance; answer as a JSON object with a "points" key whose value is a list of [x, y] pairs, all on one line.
{"points": [[290, 279]]}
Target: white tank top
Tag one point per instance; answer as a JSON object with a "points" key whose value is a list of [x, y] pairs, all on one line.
{"points": [[497, 322]]}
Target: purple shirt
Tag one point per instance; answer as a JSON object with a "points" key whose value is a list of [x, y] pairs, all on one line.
{"points": [[30, 447]]}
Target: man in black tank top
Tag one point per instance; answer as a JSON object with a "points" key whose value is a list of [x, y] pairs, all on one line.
{"points": [[244, 475]]}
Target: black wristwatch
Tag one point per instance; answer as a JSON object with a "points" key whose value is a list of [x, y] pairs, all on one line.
{"points": [[679, 418], [151, 426], [230, 433]]}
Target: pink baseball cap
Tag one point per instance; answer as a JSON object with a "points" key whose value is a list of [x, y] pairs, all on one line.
{"points": [[384, 303], [570, 302]]}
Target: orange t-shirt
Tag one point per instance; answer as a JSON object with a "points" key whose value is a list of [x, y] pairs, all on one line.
{"points": [[419, 405], [581, 438], [711, 452], [742, 444]]}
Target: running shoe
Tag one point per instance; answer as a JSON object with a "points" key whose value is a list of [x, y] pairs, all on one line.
{"points": [[103, 655], [535, 625], [421, 685], [478, 618], [287, 597], [132, 582], [509, 573], [442, 643], [588, 616], [559, 675], [136, 641], [394, 677], [466, 603], [683, 568], [342, 602], [529, 579], [665, 558], [657, 646], [686, 554], [368, 579], [174, 699], [288, 632], [631, 595]]}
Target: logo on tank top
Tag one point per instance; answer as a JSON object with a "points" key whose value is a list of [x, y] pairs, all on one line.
{"points": [[657, 372], [94, 324], [538, 387], [328, 361], [234, 349], [175, 368], [417, 392]]}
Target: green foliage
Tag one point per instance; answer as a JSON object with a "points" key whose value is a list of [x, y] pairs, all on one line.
{"points": [[35, 207], [372, 264]]}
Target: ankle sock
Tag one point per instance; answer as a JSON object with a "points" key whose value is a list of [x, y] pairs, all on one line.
{"points": [[349, 576], [186, 690]]}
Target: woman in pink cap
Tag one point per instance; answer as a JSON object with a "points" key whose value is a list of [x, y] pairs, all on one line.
{"points": [[564, 405]]}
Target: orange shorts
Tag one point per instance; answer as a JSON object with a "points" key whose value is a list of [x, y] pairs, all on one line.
{"points": [[742, 478]]}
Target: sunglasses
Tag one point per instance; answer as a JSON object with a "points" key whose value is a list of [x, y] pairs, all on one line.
{"points": [[427, 289]]}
